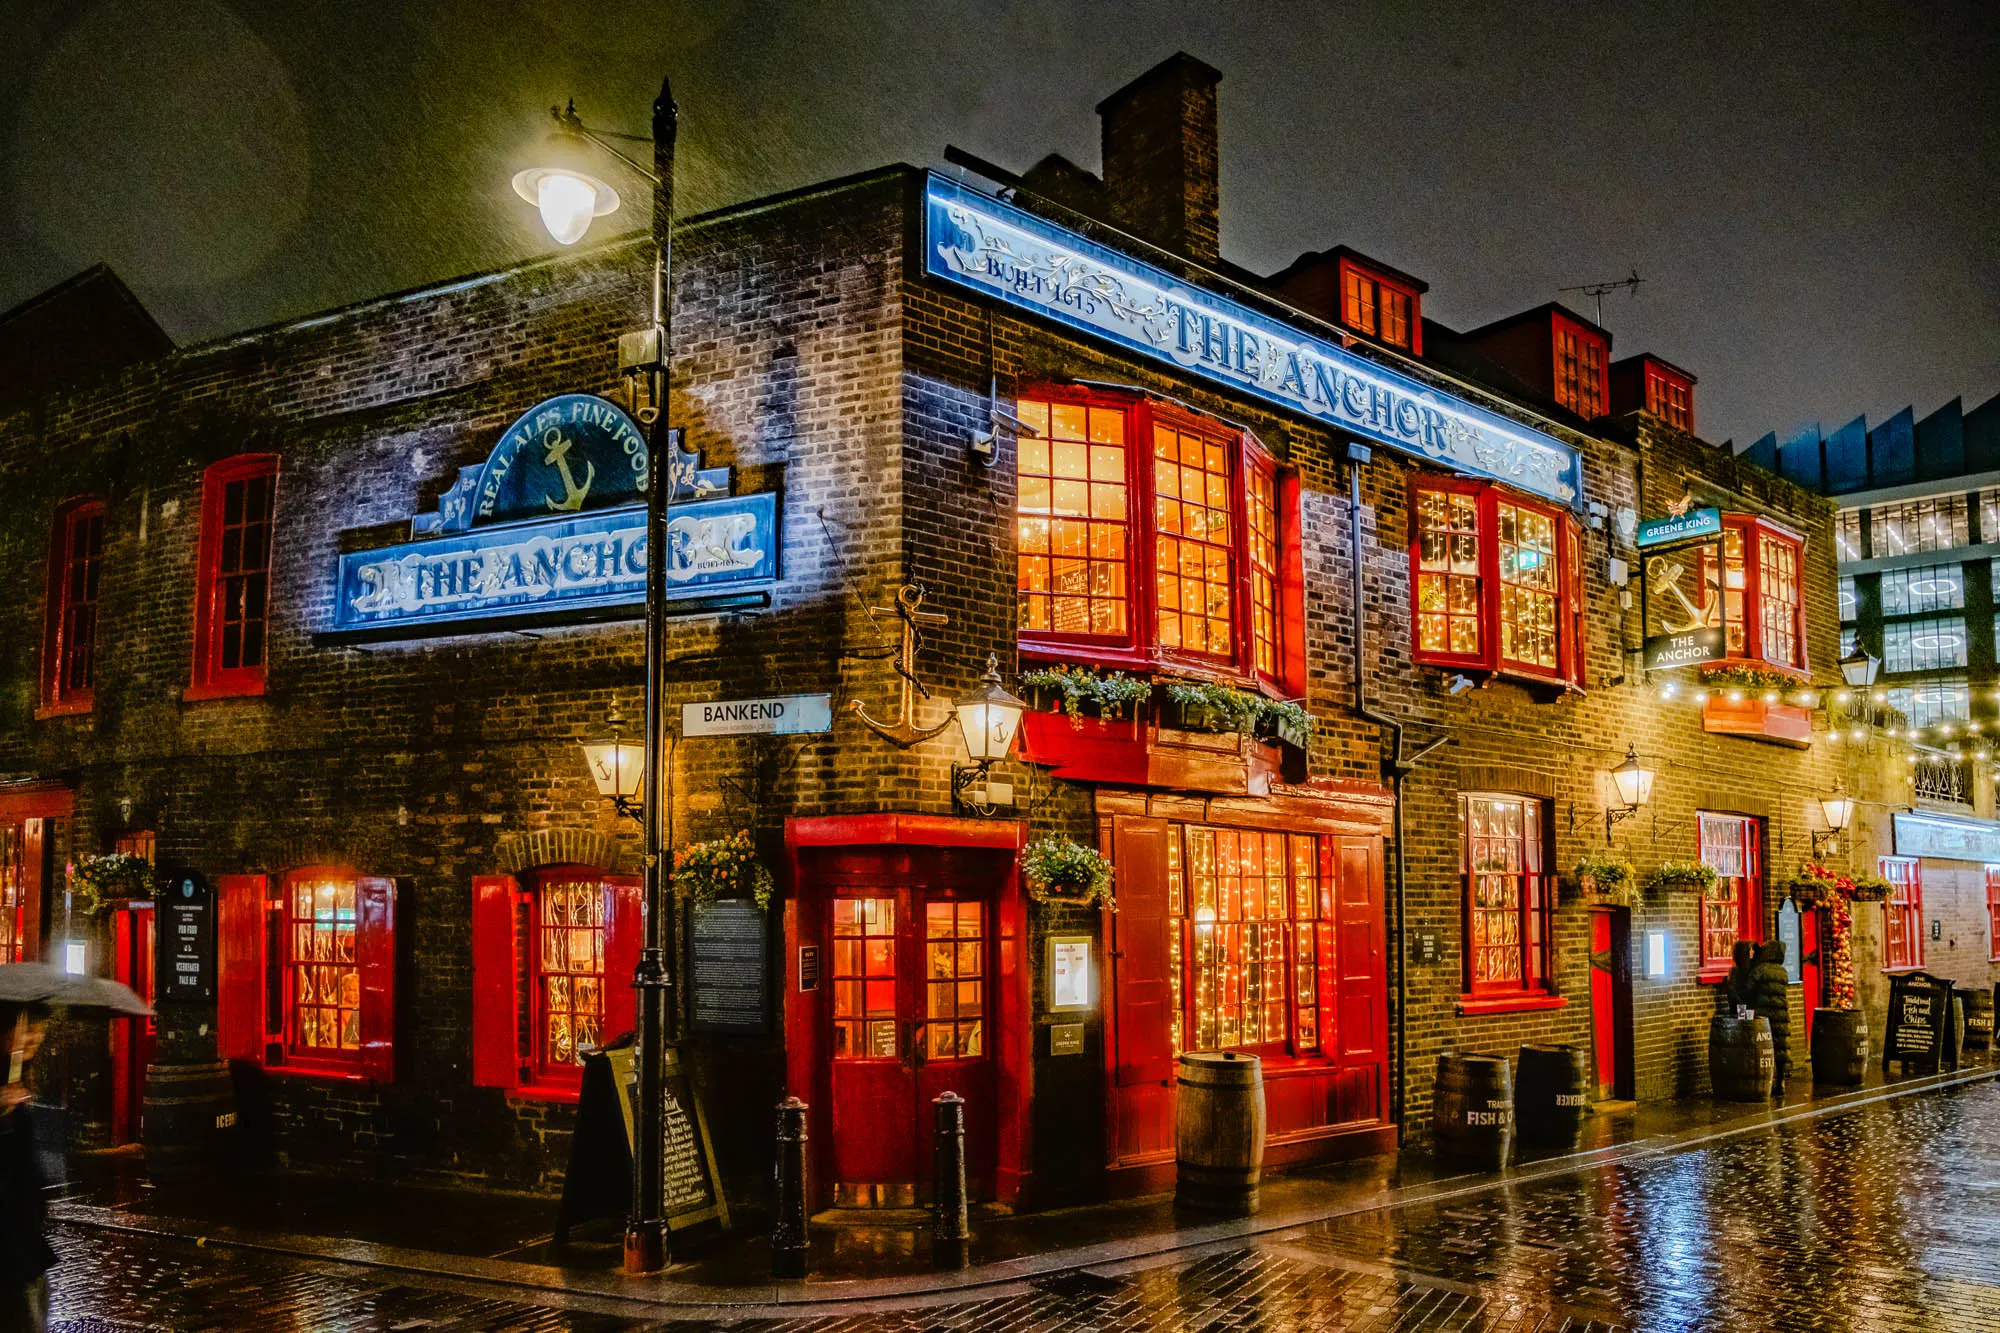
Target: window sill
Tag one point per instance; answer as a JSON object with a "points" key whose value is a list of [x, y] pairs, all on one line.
{"points": [[195, 694], [331, 1073], [66, 708], [1714, 974], [1546, 689], [546, 1092], [1902, 970], [1476, 1006]]}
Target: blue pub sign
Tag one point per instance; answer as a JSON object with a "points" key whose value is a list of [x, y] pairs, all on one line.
{"points": [[547, 529], [975, 241]]}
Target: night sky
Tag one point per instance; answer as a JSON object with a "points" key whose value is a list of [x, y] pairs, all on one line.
{"points": [[1811, 192]]}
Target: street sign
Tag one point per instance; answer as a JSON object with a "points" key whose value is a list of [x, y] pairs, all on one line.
{"points": [[782, 715], [1679, 528]]}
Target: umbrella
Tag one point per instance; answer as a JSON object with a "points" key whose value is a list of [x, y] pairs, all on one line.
{"points": [[33, 983]]}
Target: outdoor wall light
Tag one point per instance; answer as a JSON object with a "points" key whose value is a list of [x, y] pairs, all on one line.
{"points": [[1859, 668], [988, 717], [1837, 811], [569, 197], [618, 766], [1634, 783], [1656, 954]]}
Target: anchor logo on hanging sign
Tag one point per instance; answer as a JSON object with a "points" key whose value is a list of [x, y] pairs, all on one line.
{"points": [[558, 458]]}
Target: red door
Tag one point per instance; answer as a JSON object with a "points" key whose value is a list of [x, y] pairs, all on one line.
{"points": [[1611, 1001], [911, 1020], [1362, 1027], [1812, 996], [131, 1039]]}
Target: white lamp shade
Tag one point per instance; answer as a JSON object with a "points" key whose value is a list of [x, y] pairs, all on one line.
{"points": [[617, 766], [1633, 780], [1837, 810], [988, 717], [1859, 670], [567, 198]]}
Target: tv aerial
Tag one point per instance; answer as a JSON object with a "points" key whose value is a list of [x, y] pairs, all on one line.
{"points": [[1600, 289]]}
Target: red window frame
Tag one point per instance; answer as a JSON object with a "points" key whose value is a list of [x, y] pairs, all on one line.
{"points": [[1138, 646], [1570, 618], [1581, 361], [69, 653], [232, 586], [1377, 305], [258, 968], [1748, 609], [1734, 909], [1527, 912], [1903, 914], [1670, 397], [1993, 914]]}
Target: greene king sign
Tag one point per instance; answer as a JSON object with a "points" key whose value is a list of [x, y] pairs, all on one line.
{"points": [[1000, 251]]}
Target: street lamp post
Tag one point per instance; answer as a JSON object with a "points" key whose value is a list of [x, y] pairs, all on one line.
{"points": [[568, 198]]}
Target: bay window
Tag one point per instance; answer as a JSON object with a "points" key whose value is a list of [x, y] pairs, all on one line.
{"points": [[1509, 897], [1498, 581], [1733, 847], [1902, 915], [69, 653], [1761, 584], [1151, 536], [553, 952], [306, 978]]}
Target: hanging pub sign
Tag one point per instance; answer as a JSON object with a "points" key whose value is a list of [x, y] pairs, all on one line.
{"points": [[1686, 526], [1681, 588], [552, 528], [975, 241]]}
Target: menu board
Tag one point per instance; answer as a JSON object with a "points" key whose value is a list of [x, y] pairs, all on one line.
{"points": [[599, 1180], [1920, 1033], [726, 944], [185, 967]]}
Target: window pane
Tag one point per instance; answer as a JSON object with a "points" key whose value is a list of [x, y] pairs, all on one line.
{"points": [[1912, 591], [324, 994], [1193, 553], [1929, 644], [1448, 601], [1072, 512], [1528, 587], [1501, 857]]}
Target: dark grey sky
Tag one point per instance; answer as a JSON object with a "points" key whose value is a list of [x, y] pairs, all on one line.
{"points": [[1811, 192]]}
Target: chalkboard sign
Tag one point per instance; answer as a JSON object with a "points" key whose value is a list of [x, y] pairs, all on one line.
{"points": [[1920, 1030], [185, 966], [1788, 935], [599, 1180], [726, 943]]}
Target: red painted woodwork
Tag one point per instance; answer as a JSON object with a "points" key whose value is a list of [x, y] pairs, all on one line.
{"points": [[210, 678], [240, 1021], [1133, 753], [76, 548], [132, 956], [1812, 991], [1784, 724], [496, 990], [375, 950], [1587, 396], [1364, 1008], [624, 935], [1138, 1040], [1603, 1022], [30, 810], [1372, 318]]}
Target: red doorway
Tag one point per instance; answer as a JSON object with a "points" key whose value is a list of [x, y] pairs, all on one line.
{"points": [[1611, 1001], [132, 954], [907, 977], [1811, 991]]}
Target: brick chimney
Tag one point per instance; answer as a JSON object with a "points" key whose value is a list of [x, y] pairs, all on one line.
{"points": [[1160, 166]]}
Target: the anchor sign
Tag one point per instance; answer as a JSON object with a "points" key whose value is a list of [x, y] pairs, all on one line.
{"points": [[557, 456]]}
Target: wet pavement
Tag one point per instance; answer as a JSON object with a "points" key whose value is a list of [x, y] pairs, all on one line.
{"points": [[1882, 1217]]}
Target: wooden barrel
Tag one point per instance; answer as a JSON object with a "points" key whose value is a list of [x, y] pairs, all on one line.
{"points": [[1473, 1110], [1839, 1046], [1552, 1095], [187, 1118], [1977, 1005], [1219, 1132], [1742, 1065]]}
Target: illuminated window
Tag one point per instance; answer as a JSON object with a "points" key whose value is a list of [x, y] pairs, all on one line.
{"points": [[1849, 605], [1933, 701], [1847, 536], [13, 894], [1192, 548], [1073, 520], [568, 916], [1762, 597], [1933, 643], [1670, 398], [1249, 938], [1498, 581], [955, 980], [69, 669], [1778, 602], [1266, 616], [1509, 897], [1925, 588], [1903, 915], [864, 979], [1579, 370], [1918, 526], [1993, 914], [233, 587], [1376, 307], [321, 975], [1733, 847]]}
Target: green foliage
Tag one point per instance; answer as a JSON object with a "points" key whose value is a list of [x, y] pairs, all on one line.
{"points": [[722, 868], [1112, 695], [1285, 719], [1062, 870], [1750, 679], [1680, 875], [114, 877], [1607, 873], [1227, 709], [1866, 888]]}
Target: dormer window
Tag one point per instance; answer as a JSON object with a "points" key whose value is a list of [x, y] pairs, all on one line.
{"points": [[1375, 304], [1580, 357], [1670, 397]]}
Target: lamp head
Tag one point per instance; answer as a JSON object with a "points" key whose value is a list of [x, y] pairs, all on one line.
{"points": [[617, 764], [1633, 780], [1838, 810], [567, 198], [989, 716], [1858, 669]]}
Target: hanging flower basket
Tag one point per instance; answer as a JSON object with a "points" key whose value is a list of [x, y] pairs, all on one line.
{"points": [[1608, 881], [1060, 870], [722, 868], [1871, 889], [1670, 876], [96, 881], [1806, 893]]}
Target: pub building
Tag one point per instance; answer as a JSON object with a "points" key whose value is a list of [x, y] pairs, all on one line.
{"points": [[320, 617]]}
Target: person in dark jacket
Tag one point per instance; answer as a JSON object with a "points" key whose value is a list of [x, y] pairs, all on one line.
{"points": [[25, 1256], [1770, 996], [1737, 990]]}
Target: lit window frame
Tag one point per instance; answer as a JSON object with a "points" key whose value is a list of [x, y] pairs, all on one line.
{"points": [[1368, 295], [281, 974], [1993, 913], [210, 679], [1903, 914], [1755, 531], [70, 617], [1572, 639], [1747, 894], [1139, 648], [1534, 906], [538, 1070], [1581, 367], [1670, 397]]}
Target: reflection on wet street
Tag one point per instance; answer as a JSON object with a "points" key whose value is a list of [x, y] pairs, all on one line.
{"points": [[1885, 1218]]}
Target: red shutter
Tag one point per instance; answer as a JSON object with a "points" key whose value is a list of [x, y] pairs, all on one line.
{"points": [[1291, 587], [1141, 1048], [239, 966], [496, 988], [34, 857], [1363, 992], [624, 933], [1326, 958], [375, 945]]}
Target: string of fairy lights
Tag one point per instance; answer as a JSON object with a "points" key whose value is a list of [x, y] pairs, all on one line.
{"points": [[1954, 737]]}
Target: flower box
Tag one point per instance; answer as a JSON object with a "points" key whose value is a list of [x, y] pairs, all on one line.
{"points": [[1753, 719]]}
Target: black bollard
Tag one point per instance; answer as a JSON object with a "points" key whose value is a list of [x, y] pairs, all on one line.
{"points": [[789, 1241], [951, 1227]]}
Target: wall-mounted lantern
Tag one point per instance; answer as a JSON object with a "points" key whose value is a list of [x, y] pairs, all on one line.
{"points": [[1859, 669], [1837, 811], [988, 717], [1634, 784], [618, 766]]}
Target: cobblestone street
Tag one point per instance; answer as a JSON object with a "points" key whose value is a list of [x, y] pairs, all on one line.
{"points": [[1883, 1218]]}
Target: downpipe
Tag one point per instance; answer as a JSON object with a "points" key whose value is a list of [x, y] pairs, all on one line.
{"points": [[1396, 766]]}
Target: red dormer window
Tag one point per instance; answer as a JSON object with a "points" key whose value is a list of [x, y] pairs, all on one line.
{"points": [[1380, 307], [1580, 357], [1670, 397]]}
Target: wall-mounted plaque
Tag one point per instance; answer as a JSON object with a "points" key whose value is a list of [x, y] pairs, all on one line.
{"points": [[186, 943], [726, 950], [1069, 973]]}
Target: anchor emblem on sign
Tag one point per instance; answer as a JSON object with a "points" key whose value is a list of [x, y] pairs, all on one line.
{"points": [[558, 458]]}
